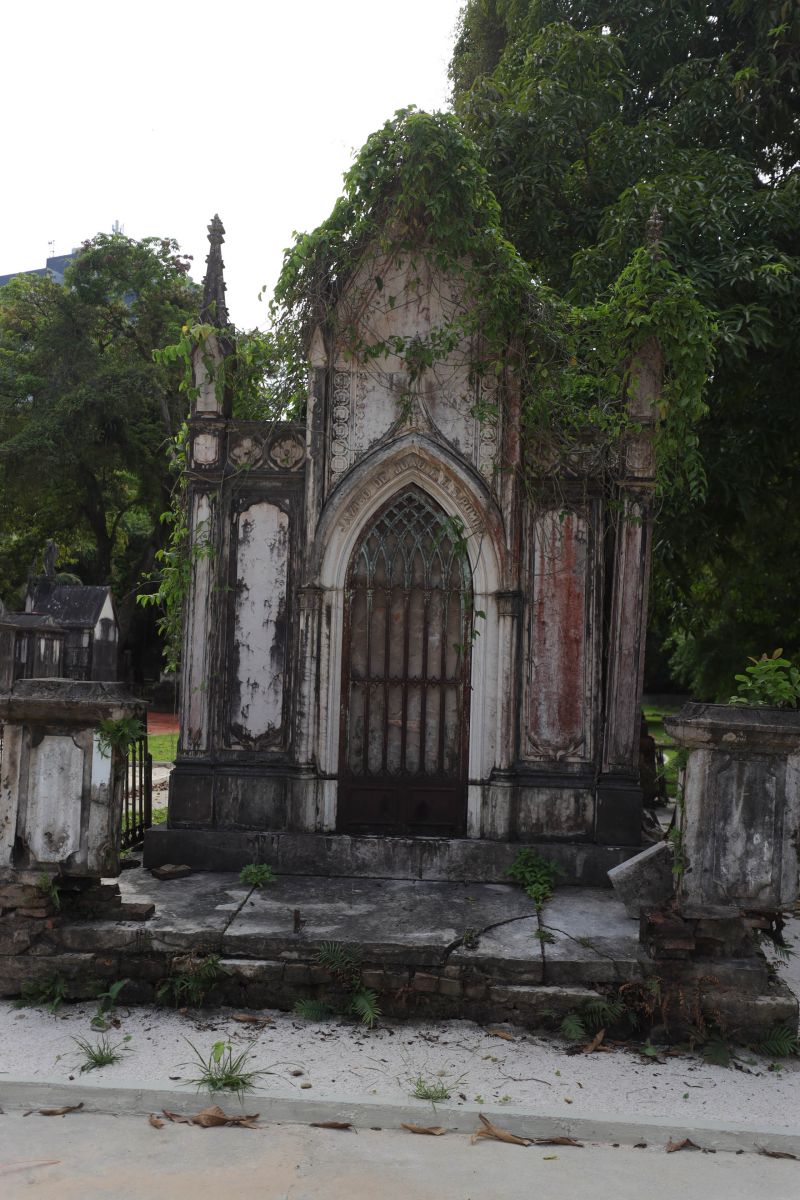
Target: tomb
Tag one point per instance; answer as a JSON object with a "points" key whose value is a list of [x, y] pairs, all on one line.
{"points": [[397, 661]]}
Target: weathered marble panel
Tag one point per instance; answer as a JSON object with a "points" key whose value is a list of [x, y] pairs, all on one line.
{"points": [[260, 625], [55, 790], [369, 397], [557, 684], [194, 701], [9, 790], [101, 835]]}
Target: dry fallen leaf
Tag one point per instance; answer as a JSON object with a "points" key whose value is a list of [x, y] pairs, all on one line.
{"points": [[501, 1033], [251, 1019], [434, 1130], [499, 1135], [776, 1153], [684, 1144], [595, 1042], [155, 1121], [208, 1118], [54, 1112], [557, 1141], [330, 1124]]}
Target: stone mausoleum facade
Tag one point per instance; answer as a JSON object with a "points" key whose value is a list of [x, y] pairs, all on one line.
{"points": [[394, 654]]}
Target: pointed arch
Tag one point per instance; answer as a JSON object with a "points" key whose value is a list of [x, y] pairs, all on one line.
{"points": [[407, 646], [349, 509]]}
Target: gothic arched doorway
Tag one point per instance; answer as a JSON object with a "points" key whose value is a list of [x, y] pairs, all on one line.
{"points": [[405, 674]]}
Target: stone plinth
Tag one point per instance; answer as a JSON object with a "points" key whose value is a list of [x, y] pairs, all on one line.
{"points": [[60, 792], [740, 820]]}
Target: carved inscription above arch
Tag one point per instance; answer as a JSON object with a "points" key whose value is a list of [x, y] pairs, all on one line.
{"points": [[413, 462]]}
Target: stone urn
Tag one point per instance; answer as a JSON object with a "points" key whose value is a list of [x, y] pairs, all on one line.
{"points": [[739, 818]]}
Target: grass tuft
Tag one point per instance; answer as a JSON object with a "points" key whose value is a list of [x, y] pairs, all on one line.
{"points": [[103, 1054], [429, 1089], [223, 1070]]}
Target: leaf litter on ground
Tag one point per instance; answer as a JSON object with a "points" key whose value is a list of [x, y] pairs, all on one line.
{"points": [[54, 1112], [209, 1118], [497, 1134]]}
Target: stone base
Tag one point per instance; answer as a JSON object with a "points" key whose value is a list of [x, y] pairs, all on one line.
{"points": [[429, 950], [455, 859]]}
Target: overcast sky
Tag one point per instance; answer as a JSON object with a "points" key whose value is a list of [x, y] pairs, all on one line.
{"points": [[158, 114]]}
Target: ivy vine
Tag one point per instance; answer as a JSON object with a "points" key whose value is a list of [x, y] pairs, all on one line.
{"points": [[417, 192], [418, 200]]}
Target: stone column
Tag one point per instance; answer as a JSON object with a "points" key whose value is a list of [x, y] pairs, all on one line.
{"points": [[619, 797]]}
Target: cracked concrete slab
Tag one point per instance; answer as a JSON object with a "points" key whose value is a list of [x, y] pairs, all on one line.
{"points": [[191, 914], [413, 922]]}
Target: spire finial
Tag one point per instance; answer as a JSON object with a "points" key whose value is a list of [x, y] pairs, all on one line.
{"points": [[215, 310]]}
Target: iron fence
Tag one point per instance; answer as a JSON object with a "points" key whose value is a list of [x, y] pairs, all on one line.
{"points": [[137, 798]]}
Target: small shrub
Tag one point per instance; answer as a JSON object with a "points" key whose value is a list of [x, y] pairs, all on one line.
{"points": [[537, 876], [118, 735], [189, 987], [106, 1003], [103, 1054], [257, 875], [49, 993], [48, 886], [222, 1070], [772, 681]]}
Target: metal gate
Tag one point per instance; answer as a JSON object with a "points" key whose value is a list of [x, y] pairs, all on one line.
{"points": [[137, 794], [405, 678]]}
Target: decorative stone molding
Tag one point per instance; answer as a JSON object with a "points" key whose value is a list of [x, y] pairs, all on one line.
{"points": [[205, 449], [287, 452], [245, 451]]}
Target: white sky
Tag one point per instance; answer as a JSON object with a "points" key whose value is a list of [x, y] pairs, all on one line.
{"points": [[158, 114]]}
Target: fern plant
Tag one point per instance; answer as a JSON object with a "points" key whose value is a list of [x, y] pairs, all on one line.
{"points": [[605, 1011], [312, 1010], [573, 1028], [344, 964], [189, 987], [782, 1042]]}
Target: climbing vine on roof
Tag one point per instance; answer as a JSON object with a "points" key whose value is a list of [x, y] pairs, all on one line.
{"points": [[417, 191]]}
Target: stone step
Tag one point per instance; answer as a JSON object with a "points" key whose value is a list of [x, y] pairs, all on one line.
{"points": [[455, 859]]}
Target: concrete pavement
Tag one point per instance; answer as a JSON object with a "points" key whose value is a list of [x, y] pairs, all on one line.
{"points": [[90, 1156]]}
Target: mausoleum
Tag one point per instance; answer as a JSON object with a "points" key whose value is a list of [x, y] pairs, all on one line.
{"points": [[397, 660]]}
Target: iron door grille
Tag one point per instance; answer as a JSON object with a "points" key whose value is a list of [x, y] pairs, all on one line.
{"points": [[405, 687]]}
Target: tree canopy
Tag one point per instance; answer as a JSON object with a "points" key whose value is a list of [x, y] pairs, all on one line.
{"points": [[587, 113], [86, 413]]}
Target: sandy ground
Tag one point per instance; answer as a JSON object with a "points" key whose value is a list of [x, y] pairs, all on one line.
{"points": [[476, 1065]]}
